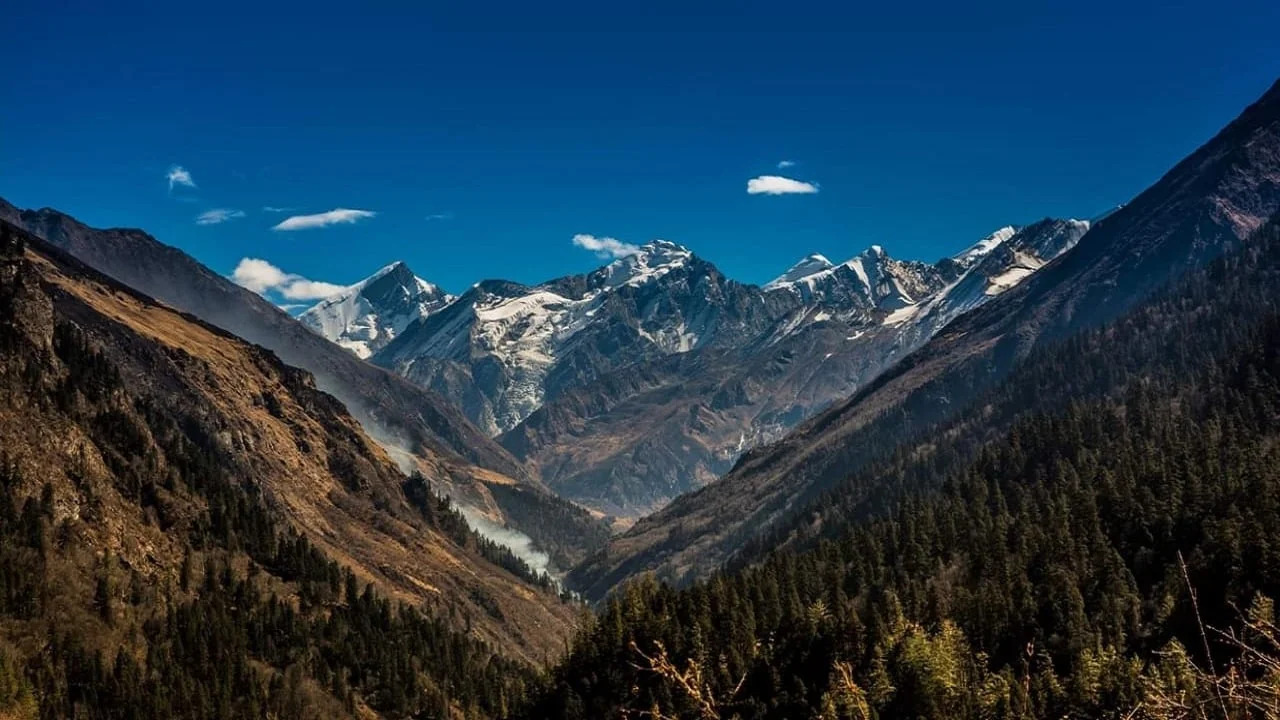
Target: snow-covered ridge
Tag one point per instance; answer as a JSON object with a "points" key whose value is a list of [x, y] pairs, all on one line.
{"points": [[984, 246], [807, 267], [867, 282], [654, 260], [997, 269]]}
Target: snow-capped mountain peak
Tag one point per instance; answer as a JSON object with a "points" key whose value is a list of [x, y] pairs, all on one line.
{"points": [[654, 260], [975, 252], [369, 314], [810, 265], [506, 349]]}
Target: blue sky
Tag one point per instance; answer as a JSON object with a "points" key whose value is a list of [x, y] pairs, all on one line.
{"points": [[484, 140]]}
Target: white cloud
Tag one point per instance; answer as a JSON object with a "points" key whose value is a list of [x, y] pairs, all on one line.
{"points": [[218, 215], [299, 288], [262, 277], [784, 164], [179, 175], [440, 216], [605, 247], [778, 185], [257, 275], [324, 219], [274, 209]]}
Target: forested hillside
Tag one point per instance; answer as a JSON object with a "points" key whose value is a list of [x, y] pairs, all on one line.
{"points": [[1203, 207], [423, 430], [1070, 548], [174, 508]]}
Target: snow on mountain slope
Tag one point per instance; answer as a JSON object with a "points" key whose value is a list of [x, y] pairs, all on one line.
{"points": [[627, 442], [595, 349], [1001, 267], [508, 347], [863, 288], [978, 250], [1204, 206], [654, 260], [502, 350], [808, 267], [368, 315]]}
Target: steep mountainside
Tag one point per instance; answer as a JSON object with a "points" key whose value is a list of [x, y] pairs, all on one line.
{"points": [[146, 423], [1207, 203], [415, 419], [1111, 556], [420, 429]]}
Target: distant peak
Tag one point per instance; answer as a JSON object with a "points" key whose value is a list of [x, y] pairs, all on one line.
{"points": [[984, 246], [809, 265], [398, 267], [874, 251], [397, 272]]}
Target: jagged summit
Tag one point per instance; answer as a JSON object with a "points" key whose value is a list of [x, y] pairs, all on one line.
{"points": [[511, 354], [654, 260], [366, 316]]}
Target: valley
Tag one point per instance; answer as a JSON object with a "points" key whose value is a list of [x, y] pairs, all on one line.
{"points": [[612, 363]]}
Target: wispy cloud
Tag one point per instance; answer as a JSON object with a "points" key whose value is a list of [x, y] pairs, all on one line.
{"points": [[179, 175], [605, 247], [262, 277], [274, 209], [218, 215], [784, 164], [440, 216], [778, 185], [336, 216]]}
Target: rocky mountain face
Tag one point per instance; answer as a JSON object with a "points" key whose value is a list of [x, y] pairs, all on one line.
{"points": [[622, 388], [629, 443], [503, 350], [1209, 202], [421, 430], [147, 431]]}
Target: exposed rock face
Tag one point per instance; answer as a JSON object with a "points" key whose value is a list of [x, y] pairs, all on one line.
{"points": [[520, 347], [632, 440], [1210, 201]]}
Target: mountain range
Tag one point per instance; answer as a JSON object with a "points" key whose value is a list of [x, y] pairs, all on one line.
{"points": [[1207, 204], [1002, 484], [625, 387]]}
